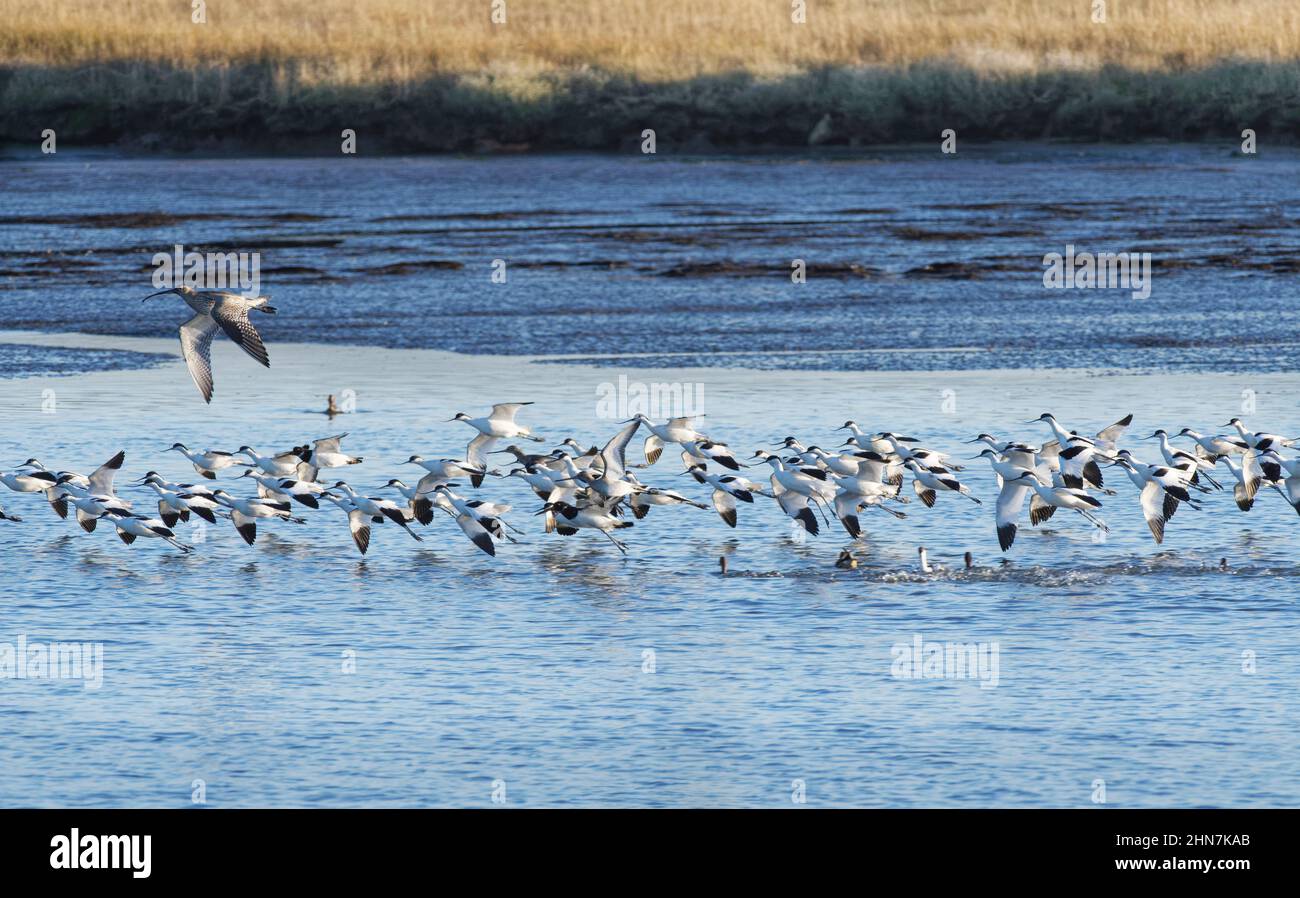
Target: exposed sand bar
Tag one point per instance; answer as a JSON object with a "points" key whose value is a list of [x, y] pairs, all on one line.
{"points": [[403, 396]]}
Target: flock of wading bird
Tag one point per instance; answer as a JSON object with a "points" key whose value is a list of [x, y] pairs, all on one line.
{"points": [[593, 488]]}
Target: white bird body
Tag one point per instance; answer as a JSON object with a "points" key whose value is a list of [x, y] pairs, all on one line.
{"points": [[131, 527], [1215, 444], [1065, 497], [420, 506], [35, 482], [1249, 474], [930, 481], [305, 492], [855, 493], [845, 464], [379, 509], [1160, 489], [1175, 457], [207, 462], [444, 470], [245, 512], [810, 482], [569, 520], [795, 489], [675, 430], [90, 507], [358, 521], [652, 497], [283, 465], [927, 457], [326, 453], [704, 451], [537, 478], [727, 489], [171, 507], [501, 423], [1260, 440], [475, 523]]}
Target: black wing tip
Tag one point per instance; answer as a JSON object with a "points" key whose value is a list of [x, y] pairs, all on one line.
{"points": [[1006, 536]]}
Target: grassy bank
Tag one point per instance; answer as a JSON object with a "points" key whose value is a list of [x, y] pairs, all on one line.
{"points": [[416, 75]]}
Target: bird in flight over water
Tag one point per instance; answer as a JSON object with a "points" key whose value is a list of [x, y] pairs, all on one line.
{"points": [[215, 310]]}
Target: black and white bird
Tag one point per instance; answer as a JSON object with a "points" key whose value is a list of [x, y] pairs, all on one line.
{"points": [[358, 520], [284, 464], [569, 520], [929, 481], [303, 492], [501, 422], [94, 496], [796, 488], [1260, 440], [674, 430], [207, 461], [131, 527], [1065, 497], [419, 504], [325, 453], [217, 311], [244, 513], [380, 509], [479, 527], [727, 491]]}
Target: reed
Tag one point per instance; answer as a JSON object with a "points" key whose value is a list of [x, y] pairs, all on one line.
{"points": [[420, 74]]}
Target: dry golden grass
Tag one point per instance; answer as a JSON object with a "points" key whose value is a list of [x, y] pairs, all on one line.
{"points": [[590, 74], [364, 42]]}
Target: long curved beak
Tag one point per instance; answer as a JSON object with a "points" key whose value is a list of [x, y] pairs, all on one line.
{"points": [[159, 293]]}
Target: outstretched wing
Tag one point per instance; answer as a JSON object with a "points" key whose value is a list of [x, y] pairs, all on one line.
{"points": [[359, 523], [476, 451], [1011, 500], [233, 319], [196, 346], [101, 481], [328, 444], [1153, 509], [615, 452], [653, 447], [505, 411], [1112, 434]]}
